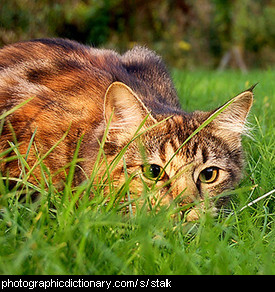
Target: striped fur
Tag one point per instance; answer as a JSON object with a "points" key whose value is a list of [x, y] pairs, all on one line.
{"points": [[76, 89]]}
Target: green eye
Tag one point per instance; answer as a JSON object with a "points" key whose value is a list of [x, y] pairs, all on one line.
{"points": [[209, 175], [153, 171]]}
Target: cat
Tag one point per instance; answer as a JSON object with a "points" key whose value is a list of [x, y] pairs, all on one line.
{"points": [[72, 92]]}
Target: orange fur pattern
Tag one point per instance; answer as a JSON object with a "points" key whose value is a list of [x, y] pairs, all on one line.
{"points": [[74, 90]]}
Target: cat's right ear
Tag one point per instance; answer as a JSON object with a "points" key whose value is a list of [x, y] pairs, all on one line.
{"points": [[124, 108], [233, 118], [231, 122]]}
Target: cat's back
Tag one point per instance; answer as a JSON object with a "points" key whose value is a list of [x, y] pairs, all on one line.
{"points": [[53, 70], [75, 71]]}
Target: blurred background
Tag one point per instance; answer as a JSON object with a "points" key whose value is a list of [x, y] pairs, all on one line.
{"points": [[211, 34]]}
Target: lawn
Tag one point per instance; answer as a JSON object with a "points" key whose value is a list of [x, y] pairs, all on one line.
{"points": [[54, 236]]}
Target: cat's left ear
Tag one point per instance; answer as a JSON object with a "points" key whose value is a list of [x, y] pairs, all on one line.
{"points": [[124, 108], [233, 118]]}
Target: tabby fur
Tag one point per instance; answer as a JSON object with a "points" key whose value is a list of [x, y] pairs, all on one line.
{"points": [[75, 91]]}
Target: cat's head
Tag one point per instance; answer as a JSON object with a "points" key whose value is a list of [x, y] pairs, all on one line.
{"points": [[160, 155]]}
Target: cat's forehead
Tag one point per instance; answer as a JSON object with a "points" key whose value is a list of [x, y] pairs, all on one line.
{"points": [[168, 141], [174, 129]]}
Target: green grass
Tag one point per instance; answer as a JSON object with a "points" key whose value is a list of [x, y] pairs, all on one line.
{"points": [[53, 236]]}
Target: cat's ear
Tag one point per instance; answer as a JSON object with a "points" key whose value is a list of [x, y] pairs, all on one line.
{"points": [[233, 117], [124, 108]]}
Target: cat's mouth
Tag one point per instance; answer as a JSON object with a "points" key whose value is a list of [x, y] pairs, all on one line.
{"points": [[187, 211], [193, 212]]}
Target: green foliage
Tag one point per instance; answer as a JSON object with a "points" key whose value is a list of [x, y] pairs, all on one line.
{"points": [[69, 233]]}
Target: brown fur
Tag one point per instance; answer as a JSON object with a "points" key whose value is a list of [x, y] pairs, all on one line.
{"points": [[75, 89]]}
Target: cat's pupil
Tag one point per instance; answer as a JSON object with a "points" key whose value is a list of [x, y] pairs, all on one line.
{"points": [[155, 170], [151, 171], [208, 173]]}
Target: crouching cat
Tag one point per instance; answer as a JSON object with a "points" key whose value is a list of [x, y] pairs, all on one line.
{"points": [[73, 92]]}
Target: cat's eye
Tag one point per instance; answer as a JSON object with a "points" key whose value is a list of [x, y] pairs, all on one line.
{"points": [[209, 175], [153, 171]]}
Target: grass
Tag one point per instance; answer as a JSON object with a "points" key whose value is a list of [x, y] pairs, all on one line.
{"points": [[53, 236]]}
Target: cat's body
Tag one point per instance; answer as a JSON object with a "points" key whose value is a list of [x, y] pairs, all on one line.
{"points": [[75, 89]]}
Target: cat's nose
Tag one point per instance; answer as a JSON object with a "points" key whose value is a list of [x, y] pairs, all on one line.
{"points": [[192, 191], [188, 190], [190, 195]]}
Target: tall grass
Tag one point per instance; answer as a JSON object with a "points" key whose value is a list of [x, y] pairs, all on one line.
{"points": [[62, 234]]}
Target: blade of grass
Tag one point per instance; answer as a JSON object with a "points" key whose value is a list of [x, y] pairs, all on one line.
{"points": [[5, 114], [257, 200], [45, 155], [128, 191]]}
